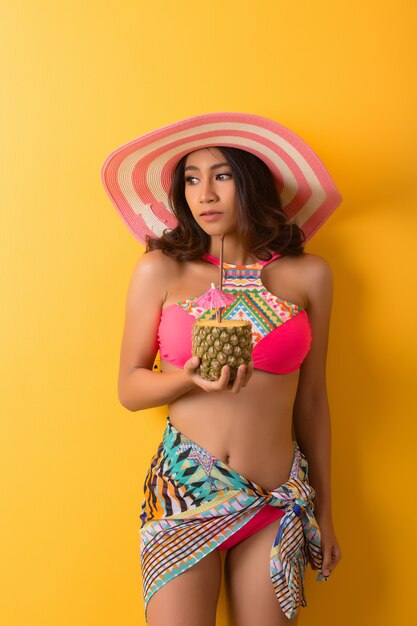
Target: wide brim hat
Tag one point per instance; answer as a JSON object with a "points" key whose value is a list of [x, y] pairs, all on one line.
{"points": [[137, 175]]}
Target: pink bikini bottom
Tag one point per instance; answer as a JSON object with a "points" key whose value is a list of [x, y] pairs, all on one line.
{"points": [[264, 517]]}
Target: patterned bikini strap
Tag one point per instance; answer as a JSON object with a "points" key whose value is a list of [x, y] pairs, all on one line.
{"points": [[211, 259], [216, 261], [274, 256]]}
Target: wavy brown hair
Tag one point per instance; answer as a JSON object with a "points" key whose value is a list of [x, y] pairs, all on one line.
{"points": [[262, 224]]}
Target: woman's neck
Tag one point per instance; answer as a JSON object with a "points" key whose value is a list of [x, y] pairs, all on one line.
{"points": [[233, 251]]}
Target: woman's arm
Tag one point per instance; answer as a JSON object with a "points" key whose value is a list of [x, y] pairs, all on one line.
{"points": [[311, 413], [139, 387]]}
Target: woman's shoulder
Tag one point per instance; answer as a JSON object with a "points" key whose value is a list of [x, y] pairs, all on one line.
{"points": [[307, 263], [315, 274], [156, 263], [311, 263], [309, 273], [155, 269]]}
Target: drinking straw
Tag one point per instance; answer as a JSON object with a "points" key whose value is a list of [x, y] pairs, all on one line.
{"points": [[219, 311]]}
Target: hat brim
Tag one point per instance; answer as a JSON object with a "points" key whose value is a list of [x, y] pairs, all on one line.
{"points": [[137, 175]]}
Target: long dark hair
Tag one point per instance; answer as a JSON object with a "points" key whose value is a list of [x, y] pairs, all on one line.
{"points": [[262, 224]]}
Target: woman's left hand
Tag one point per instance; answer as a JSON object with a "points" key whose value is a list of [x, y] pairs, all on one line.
{"points": [[329, 547]]}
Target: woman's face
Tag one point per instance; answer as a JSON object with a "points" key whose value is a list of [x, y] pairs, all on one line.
{"points": [[210, 191]]}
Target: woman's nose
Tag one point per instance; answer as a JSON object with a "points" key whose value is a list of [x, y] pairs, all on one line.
{"points": [[207, 193]]}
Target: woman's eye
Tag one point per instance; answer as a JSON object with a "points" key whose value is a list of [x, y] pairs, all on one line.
{"points": [[188, 179]]}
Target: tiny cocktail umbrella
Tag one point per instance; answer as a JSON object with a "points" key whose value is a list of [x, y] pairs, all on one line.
{"points": [[216, 298]]}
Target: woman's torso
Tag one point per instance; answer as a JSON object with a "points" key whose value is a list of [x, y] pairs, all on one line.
{"points": [[250, 430]]}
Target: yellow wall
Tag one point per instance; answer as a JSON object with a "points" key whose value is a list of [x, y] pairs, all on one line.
{"points": [[80, 78]]}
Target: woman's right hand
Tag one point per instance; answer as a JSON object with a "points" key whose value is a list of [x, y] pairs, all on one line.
{"points": [[242, 377]]}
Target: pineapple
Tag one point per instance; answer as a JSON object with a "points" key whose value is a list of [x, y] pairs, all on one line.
{"points": [[228, 342]]}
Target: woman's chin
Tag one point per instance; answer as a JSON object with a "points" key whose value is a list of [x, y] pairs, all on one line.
{"points": [[217, 229]]}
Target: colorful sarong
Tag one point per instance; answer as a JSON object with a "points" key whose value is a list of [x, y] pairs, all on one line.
{"points": [[193, 502]]}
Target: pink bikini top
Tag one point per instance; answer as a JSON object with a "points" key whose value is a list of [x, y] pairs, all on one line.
{"points": [[281, 329]]}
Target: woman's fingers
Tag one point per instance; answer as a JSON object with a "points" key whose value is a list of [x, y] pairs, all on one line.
{"points": [[331, 557], [243, 375], [224, 377], [248, 373], [207, 385], [240, 377], [327, 562], [223, 383], [191, 365]]}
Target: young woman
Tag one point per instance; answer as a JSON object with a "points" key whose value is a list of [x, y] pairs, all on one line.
{"points": [[242, 474]]}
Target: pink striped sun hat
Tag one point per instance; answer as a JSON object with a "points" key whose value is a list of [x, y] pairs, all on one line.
{"points": [[137, 175]]}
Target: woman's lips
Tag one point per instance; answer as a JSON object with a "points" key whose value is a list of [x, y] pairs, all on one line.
{"points": [[210, 216]]}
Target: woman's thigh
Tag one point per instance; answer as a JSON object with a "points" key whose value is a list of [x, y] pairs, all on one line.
{"points": [[190, 598], [251, 595]]}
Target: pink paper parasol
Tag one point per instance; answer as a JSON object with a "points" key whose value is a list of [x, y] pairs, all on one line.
{"points": [[214, 299]]}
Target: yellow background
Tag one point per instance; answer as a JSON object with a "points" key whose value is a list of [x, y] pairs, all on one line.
{"points": [[81, 78]]}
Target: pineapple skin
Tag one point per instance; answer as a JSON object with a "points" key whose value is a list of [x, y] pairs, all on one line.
{"points": [[218, 344]]}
